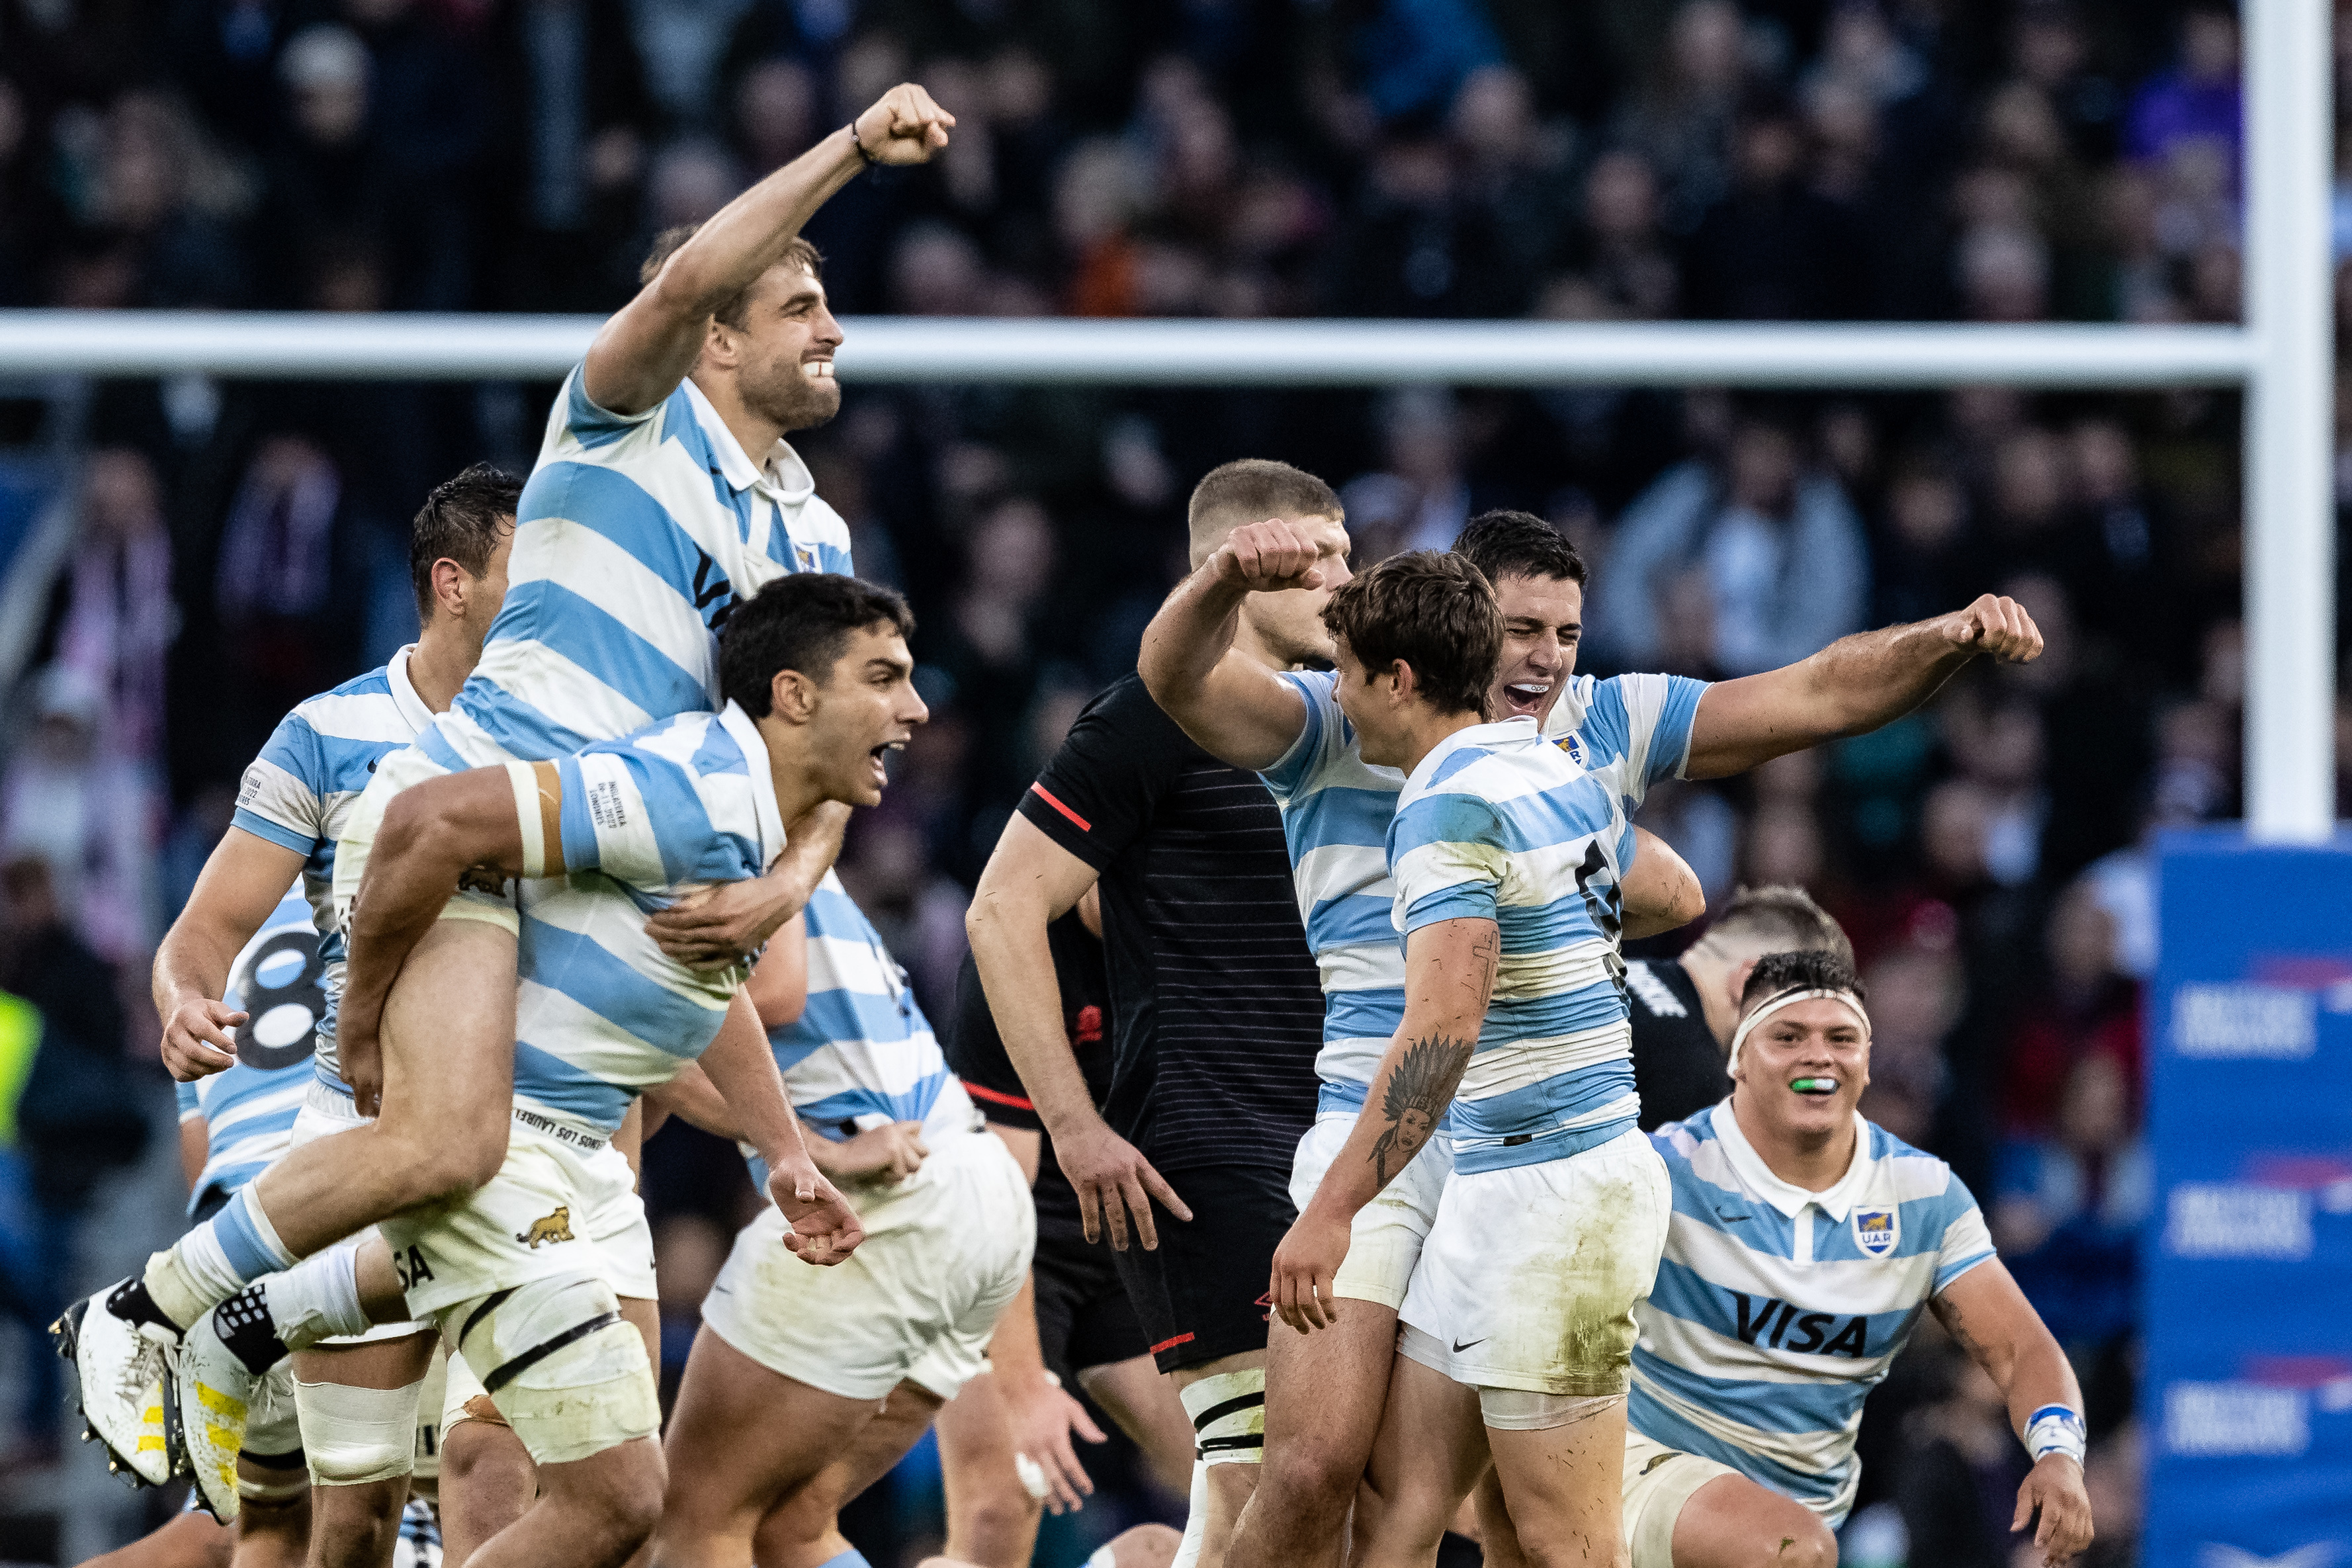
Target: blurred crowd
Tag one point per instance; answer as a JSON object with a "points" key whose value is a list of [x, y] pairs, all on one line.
{"points": [[187, 559]]}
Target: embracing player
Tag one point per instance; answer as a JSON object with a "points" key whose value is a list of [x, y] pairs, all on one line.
{"points": [[1326, 1392], [665, 494]]}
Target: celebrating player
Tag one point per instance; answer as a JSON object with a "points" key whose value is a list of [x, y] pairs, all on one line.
{"points": [[647, 519], [1805, 1240], [1684, 1008], [1326, 1392]]}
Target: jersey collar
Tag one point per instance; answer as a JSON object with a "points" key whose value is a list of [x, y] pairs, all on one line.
{"points": [[739, 725], [411, 706], [1507, 733], [1787, 1196], [783, 478]]}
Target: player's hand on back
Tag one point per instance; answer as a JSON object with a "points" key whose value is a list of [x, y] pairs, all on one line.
{"points": [[1115, 1185], [1305, 1265], [1268, 557], [889, 1153], [2054, 1485], [199, 1039], [1998, 626], [903, 126], [1043, 1418]]}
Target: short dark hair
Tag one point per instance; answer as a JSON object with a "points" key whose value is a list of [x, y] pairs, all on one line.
{"points": [[1810, 970], [459, 521], [799, 622], [1518, 544], [1781, 918], [798, 252], [1251, 490], [1431, 609]]}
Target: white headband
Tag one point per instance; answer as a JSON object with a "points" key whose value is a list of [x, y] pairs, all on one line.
{"points": [[1790, 999]]}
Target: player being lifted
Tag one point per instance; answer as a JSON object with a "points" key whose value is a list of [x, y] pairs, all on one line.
{"points": [[664, 494], [819, 687], [1325, 1392], [1803, 1243]]}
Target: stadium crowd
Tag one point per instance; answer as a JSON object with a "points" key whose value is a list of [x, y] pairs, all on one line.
{"points": [[198, 555]]}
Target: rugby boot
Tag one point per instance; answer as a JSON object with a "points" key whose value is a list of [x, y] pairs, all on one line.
{"points": [[120, 1348], [213, 1393]]}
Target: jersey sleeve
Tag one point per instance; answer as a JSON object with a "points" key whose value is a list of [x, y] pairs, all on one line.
{"points": [[1967, 1242], [1647, 720], [590, 426], [281, 796], [1445, 851], [191, 1104], [634, 816], [1097, 795], [1326, 727]]}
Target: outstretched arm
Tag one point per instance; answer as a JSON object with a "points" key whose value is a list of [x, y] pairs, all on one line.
{"points": [[1449, 975], [1235, 708], [650, 344], [1851, 687], [2002, 1333]]}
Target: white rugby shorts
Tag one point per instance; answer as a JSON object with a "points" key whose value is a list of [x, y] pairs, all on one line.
{"points": [[324, 1114], [1385, 1240], [563, 1203], [1530, 1273], [945, 1252]]}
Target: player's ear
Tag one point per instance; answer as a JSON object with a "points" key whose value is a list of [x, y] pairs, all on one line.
{"points": [[1735, 983], [791, 697]]}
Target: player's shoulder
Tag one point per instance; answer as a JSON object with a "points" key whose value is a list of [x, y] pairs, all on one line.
{"points": [[1125, 710], [1905, 1174], [1694, 1153]]}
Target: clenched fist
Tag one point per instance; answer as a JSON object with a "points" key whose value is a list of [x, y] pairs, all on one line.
{"points": [[903, 126]]}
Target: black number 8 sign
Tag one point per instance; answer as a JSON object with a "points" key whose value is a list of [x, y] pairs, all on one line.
{"points": [[282, 1014]]}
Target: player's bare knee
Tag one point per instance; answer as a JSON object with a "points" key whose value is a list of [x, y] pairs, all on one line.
{"points": [[1805, 1542], [998, 1517]]}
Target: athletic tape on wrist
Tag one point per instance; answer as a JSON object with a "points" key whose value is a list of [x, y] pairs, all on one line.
{"points": [[354, 1435], [1789, 999], [2056, 1429], [1228, 1412]]}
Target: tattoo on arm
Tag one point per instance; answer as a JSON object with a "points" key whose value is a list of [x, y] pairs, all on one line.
{"points": [[1417, 1095]]}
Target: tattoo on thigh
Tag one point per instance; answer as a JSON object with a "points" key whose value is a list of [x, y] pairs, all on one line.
{"points": [[1424, 1081]]}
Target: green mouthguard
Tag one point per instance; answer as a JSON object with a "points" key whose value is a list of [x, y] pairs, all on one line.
{"points": [[1807, 1085]]}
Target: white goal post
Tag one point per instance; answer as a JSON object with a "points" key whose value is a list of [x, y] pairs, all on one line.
{"points": [[2283, 357]]}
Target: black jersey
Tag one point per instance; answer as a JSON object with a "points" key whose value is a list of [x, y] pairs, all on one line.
{"points": [[976, 1052], [1677, 1065], [1216, 1007]]}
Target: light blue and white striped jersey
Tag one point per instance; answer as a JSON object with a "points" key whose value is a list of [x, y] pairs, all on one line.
{"points": [[1336, 810], [862, 1054], [298, 791], [634, 537], [1777, 1310], [249, 1109], [1498, 824], [600, 1013]]}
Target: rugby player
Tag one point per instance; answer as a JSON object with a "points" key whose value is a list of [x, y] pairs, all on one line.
{"points": [[1336, 811], [1803, 1242], [1517, 1323], [236, 1063], [1684, 1008], [1005, 1441], [805, 1385], [818, 686], [647, 519]]}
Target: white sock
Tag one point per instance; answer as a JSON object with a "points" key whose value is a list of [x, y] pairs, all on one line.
{"points": [[318, 1298], [1196, 1519]]}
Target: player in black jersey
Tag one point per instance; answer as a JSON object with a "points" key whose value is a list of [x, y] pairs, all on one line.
{"points": [[1216, 1003], [1072, 1324], [1684, 1009]]}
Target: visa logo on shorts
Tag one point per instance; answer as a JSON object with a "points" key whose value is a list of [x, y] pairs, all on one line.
{"points": [[1876, 1231]]}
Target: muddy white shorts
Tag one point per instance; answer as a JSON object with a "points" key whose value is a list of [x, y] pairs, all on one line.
{"points": [[327, 1110], [489, 900], [1658, 1481], [1385, 1240], [945, 1252], [1530, 1274], [563, 1203]]}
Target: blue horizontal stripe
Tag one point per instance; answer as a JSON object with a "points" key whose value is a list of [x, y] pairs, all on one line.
{"points": [[1351, 919], [1539, 1107], [1374, 1013], [1681, 1292], [1817, 1405], [835, 1016], [1472, 900], [1338, 813], [1560, 1143], [344, 765], [827, 1114], [609, 503], [477, 696], [1542, 1017], [602, 982], [1561, 815], [600, 643], [591, 425], [1660, 1424], [284, 838], [571, 1091]]}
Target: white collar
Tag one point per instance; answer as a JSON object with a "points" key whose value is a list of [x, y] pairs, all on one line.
{"points": [[1787, 1196], [410, 706], [782, 478], [1520, 730], [739, 724]]}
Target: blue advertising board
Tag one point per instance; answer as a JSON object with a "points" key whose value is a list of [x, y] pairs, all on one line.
{"points": [[2247, 1394]]}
